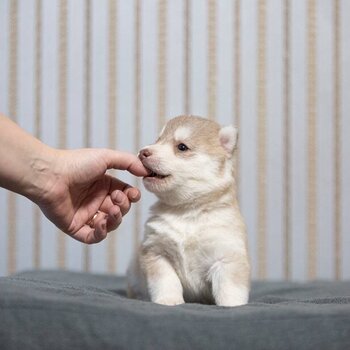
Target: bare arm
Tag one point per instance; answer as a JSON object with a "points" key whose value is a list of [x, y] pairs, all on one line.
{"points": [[70, 186]]}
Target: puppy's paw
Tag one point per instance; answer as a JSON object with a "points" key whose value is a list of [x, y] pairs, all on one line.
{"points": [[234, 296], [231, 303], [169, 300]]}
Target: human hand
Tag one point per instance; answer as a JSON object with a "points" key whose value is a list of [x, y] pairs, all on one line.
{"points": [[80, 198]]}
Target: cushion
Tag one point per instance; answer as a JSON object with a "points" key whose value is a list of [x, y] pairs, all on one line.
{"points": [[70, 310]]}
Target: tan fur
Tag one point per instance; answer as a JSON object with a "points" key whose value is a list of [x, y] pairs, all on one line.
{"points": [[204, 134]]}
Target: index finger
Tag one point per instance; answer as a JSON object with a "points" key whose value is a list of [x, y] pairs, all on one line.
{"points": [[124, 161]]}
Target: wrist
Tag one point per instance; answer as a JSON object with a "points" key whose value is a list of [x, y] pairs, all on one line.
{"points": [[27, 166], [41, 175]]}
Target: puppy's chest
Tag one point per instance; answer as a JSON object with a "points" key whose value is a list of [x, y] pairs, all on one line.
{"points": [[177, 233], [180, 241]]}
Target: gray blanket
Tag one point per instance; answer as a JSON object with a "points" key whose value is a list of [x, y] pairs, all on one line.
{"points": [[65, 310]]}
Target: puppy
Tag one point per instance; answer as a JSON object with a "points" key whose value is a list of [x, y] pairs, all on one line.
{"points": [[195, 244]]}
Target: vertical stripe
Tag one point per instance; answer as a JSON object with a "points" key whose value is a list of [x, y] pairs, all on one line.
{"points": [[337, 141], [261, 142], [212, 59], [62, 108], [12, 96], [286, 209], [162, 62], [187, 57], [137, 130], [38, 118], [311, 111], [112, 110], [237, 80], [87, 137]]}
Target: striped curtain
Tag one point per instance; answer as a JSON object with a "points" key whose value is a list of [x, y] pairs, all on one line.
{"points": [[109, 73]]}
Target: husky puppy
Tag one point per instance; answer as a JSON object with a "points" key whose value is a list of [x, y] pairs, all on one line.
{"points": [[195, 244]]}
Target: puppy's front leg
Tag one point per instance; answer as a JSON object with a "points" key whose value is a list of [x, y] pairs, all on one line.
{"points": [[163, 283], [230, 284]]}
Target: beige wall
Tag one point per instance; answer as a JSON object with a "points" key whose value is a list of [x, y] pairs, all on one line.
{"points": [[109, 73]]}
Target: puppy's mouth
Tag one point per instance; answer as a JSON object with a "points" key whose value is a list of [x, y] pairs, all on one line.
{"points": [[153, 174]]}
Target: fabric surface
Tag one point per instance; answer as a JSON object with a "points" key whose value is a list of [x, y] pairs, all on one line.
{"points": [[66, 310]]}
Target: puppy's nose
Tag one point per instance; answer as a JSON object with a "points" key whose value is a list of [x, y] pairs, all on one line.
{"points": [[144, 153]]}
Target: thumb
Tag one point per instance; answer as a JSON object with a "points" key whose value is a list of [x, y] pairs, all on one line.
{"points": [[124, 161]]}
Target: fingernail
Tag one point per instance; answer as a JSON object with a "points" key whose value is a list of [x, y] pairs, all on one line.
{"points": [[119, 219], [118, 196], [117, 215], [134, 194]]}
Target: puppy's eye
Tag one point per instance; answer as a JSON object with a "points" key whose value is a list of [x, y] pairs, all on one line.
{"points": [[182, 147]]}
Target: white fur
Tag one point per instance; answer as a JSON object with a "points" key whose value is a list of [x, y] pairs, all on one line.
{"points": [[195, 246], [228, 137], [182, 133]]}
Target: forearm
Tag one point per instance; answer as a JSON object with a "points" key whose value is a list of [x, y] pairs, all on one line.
{"points": [[25, 162]]}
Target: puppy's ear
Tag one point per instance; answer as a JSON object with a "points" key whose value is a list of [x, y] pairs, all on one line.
{"points": [[228, 136]]}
